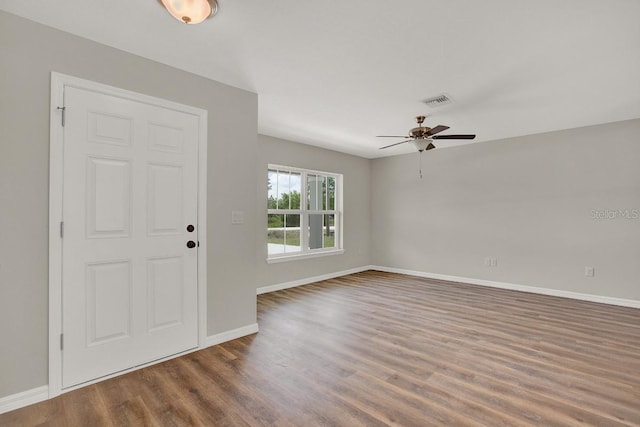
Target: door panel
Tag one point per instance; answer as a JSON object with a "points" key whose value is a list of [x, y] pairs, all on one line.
{"points": [[129, 282], [165, 292], [108, 194], [110, 129], [164, 205], [165, 138], [108, 290]]}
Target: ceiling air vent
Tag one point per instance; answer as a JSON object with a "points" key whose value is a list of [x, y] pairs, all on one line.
{"points": [[438, 101]]}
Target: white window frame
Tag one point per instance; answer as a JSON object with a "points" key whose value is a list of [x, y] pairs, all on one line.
{"points": [[305, 252]]}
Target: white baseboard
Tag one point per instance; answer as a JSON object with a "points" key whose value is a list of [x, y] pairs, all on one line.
{"points": [[216, 339], [24, 398], [514, 287], [306, 281], [39, 394]]}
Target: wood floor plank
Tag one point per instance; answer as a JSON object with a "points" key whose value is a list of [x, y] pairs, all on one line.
{"points": [[382, 349]]}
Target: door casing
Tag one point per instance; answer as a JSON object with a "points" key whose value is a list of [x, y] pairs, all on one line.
{"points": [[56, 144]]}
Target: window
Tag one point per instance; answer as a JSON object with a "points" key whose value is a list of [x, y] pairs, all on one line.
{"points": [[304, 217]]}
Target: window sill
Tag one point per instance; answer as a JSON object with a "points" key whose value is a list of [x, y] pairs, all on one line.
{"points": [[285, 258]]}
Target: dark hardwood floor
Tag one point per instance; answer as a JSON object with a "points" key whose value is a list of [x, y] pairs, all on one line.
{"points": [[375, 349]]}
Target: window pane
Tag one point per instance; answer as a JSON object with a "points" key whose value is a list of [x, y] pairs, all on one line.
{"points": [[311, 190], [316, 192], [329, 231], [331, 187], [321, 231], [275, 234], [322, 183], [283, 190], [315, 231], [283, 234], [295, 186], [292, 233], [287, 194], [272, 189]]}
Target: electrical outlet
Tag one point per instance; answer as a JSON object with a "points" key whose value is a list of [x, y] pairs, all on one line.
{"points": [[490, 262], [589, 272]]}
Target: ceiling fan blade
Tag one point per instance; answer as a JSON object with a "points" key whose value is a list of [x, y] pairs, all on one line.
{"points": [[392, 136], [454, 136], [397, 143], [430, 147], [437, 129]]}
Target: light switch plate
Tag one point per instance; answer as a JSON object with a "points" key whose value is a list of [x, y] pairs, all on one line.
{"points": [[237, 217]]}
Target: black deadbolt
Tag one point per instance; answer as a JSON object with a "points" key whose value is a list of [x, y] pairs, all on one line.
{"points": [[191, 244], [190, 228]]}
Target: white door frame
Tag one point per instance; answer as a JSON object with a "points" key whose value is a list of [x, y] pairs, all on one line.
{"points": [[56, 157]]}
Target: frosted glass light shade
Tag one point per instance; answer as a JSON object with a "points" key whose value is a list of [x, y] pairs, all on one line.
{"points": [[191, 11], [421, 144]]}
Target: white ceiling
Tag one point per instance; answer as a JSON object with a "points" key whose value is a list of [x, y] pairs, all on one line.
{"points": [[337, 73]]}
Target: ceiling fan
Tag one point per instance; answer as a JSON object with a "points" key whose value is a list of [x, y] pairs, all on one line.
{"points": [[423, 136]]}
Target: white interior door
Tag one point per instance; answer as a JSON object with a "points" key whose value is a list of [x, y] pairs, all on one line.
{"points": [[129, 281]]}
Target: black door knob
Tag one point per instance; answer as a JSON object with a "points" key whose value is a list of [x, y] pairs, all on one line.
{"points": [[191, 244], [190, 228]]}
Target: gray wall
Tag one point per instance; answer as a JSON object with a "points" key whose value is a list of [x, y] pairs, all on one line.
{"points": [[527, 201], [28, 53], [356, 197]]}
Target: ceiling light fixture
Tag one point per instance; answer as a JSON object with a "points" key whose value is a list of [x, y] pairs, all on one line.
{"points": [[423, 144], [191, 11]]}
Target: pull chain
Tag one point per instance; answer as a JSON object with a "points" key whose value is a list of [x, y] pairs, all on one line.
{"points": [[420, 165]]}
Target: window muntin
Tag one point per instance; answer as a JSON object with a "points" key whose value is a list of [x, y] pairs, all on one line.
{"points": [[295, 228]]}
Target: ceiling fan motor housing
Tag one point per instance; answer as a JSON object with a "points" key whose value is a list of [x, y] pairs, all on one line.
{"points": [[419, 132]]}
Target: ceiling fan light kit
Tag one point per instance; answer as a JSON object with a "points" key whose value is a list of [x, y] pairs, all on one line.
{"points": [[423, 145], [191, 11]]}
